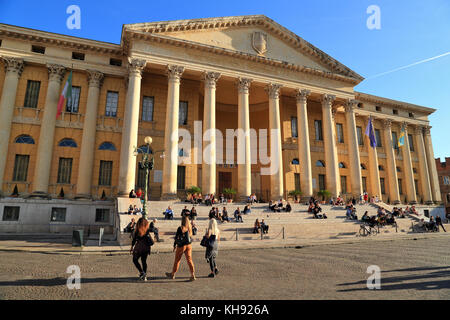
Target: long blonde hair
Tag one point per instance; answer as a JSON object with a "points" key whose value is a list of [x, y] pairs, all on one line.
{"points": [[213, 229], [185, 222]]}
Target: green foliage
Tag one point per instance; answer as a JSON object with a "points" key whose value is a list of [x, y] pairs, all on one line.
{"points": [[325, 194], [194, 189]]}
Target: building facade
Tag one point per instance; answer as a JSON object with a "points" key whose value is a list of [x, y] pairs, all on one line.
{"points": [[245, 72], [443, 171]]}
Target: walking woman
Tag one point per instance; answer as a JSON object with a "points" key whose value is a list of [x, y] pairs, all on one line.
{"points": [[140, 247], [182, 245], [212, 233]]}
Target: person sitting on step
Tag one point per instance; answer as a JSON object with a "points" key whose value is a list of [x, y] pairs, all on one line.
{"points": [[237, 215], [168, 214], [288, 207], [247, 209], [264, 227], [257, 226]]}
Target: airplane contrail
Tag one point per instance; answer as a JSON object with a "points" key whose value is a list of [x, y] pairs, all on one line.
{"points": [[409, 65]]}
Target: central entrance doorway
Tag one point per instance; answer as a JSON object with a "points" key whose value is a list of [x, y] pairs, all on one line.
{"points": [[224, 180]]}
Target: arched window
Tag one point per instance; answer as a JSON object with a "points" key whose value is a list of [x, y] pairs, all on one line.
{"points": [[341, 165], [67, 142], [363, 166], [380, 168], [399, 170], [295, 161], [24, 138], [320, 163], [144, 149], [107, 146]]}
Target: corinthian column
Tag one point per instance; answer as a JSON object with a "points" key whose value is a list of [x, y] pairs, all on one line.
{"points": [[209, 125], [276, 177], [243, 140], [13, 69], [373, 168], [86, 165], [169, 186], [407, 167], [304, 151], [394, 194], [47, 132], [423, 166], [331, 160], [355, 162], [434, 181], [127, 171]]}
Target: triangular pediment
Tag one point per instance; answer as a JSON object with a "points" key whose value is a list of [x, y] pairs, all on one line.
{"points": [[251, 35]]}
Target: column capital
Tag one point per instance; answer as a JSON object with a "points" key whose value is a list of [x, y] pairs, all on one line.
{"points": [[56, 72], [302, 95], [95, 78], [426, 130], [273, 89], [244, 84], [387, 124], [210, 79], [136, 66], [327, 100], [13, 65], [174, 72], [419, 129], [350, 105]]}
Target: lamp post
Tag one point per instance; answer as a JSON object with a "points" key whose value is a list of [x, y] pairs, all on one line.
{"points": [[146, 164]]}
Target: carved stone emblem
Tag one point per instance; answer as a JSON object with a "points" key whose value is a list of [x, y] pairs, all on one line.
{"points": [[259, 42]]}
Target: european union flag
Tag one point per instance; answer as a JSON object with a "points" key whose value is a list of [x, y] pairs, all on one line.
{"points": [[370, 132]]}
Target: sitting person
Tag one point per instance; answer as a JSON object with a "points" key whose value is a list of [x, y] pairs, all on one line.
{"points": [[212, 213], [194, 228], [351, 213], [421, 225], [247, 209], [225, 215], [139, 193], [257, 226], [414, 211], [130, 227], [431, 225], [154, 229], [332, 201], [199, 198], [318, 215], [207, 200], [185, 212], [365, 217], [132, 194], [136, 210], [311, 207], [288, 207], [390, 219], [280, 203], [189, 198], [168, 214], [407, 210], [193, 214], [130, 209], [238, 216], [401, 214], [264, 227], [222, 198]]}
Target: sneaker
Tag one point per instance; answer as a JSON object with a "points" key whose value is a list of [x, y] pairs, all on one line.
{"points": [[193, 278], [216, 272], [170, 275], [211, 275], [144, 278], [141, 276]]}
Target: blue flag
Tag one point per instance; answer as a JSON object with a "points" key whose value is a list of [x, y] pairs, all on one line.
{"points": [[370, 132]]}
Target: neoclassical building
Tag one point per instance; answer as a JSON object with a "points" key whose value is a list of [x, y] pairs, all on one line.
{"points": [[244, 72]]}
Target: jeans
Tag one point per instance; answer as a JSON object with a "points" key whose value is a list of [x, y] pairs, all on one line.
{"points": [[212, 264]]}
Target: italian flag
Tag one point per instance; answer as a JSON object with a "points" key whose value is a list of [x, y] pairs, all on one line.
{"points": [[66, 94]]}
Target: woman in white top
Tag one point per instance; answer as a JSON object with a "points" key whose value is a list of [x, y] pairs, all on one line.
{"points": [[212, 233]]}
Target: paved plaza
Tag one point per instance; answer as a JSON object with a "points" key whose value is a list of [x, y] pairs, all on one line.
{"points": [[410, 269]]}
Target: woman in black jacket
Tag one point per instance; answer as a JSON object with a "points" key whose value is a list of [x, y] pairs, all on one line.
{"points": [[212, 233], [140, 247]]}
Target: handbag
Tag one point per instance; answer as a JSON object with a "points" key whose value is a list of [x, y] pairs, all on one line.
{"points": [[183, 239], [204, 242], [208, 242]]}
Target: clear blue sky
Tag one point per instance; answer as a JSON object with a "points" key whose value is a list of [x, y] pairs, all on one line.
{"points": [[411, 31]]}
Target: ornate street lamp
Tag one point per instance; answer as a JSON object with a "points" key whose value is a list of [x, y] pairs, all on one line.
{"points": [[146, 164]]}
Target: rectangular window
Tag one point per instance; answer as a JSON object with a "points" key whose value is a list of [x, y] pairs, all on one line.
{"points": [[11, 213], [115, 62], [318, 129], [21, 167], [183, 115], [416, 185], [378, 137], [343, 184], [294, 131], [360, 136], [32, 94], [394, 140], [297, 181], [147, 108], [400, 186], [104, 177], [58, 215], [394, 111], [112, 98], [339, 133], [411, 142], [73, 103], [383, 190], [181, 178], [446, 180], [364, 183], [101, 215], [322, 185], [64, 170], [38, 49], [77, 55]]}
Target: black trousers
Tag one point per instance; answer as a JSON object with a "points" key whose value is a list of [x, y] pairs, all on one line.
{"points": [[143, 256], [212, 263]]}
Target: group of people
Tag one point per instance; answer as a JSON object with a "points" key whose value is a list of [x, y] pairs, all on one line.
{"points": [[382, 218], [134, 210], [143, 241], [278, 206], [208, 199], [252, 198], [260, 226], [139, 194], [315, 208], [350, 211], [432, 225]]}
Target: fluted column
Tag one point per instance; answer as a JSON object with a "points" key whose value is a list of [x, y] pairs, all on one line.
{"points": [[373, 167], [47, 132], [276, 178], [331, 160], [423, 166], [245, 166], [86, 164], [434, 181], [127, 169], [169, 187], [394, 194], [209, 125], [13, 69], [355, 162], [304, 150], [408, 171]]}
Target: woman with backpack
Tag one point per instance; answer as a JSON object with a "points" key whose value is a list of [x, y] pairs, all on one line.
{"points": [[182, 245], [140, 247], [212, 234]]}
